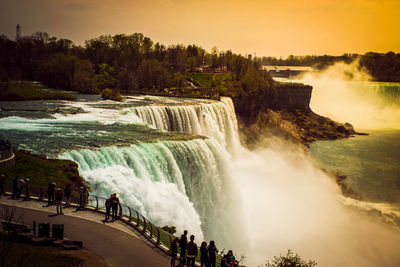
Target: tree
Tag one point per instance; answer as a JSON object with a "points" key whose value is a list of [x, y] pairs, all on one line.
{"points": [[105, 77]]}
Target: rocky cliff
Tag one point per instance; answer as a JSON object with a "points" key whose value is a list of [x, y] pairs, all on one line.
{"points": [[289, 116]]}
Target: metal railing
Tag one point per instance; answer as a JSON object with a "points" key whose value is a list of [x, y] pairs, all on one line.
{"points": [[126, 214]]}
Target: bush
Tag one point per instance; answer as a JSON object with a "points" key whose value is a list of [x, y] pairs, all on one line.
{"points": [[290, 260], [110, 94], [169, 229]]}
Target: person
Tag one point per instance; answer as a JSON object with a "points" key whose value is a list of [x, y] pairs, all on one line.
{"points": [[174, 251], [82, 198], [59, 197], [212, 254], [2, 185], [15, 188], [224, 261], [50, 193], [114, 206], [182, 246], [67, 195], [108, 207], [27, 183], [20, 187], [230, 259], [191, 249], [203, 254]]}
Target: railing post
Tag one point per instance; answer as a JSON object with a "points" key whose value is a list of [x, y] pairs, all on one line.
{"points": [[138, 219], [158, 236], [151, 230], [144, 225], [120, 210], [97, 203], [130, 214]]}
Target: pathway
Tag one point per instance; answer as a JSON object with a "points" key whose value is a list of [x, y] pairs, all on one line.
{"points": [[117, 243]]}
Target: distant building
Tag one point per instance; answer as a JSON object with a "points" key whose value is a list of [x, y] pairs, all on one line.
{"points": [[18, 34]]}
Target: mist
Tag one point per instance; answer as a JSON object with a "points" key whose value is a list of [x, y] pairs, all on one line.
{"points": [[290, 204], [346, 94]]}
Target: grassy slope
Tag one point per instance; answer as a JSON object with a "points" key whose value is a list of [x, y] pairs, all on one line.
{"points": [[42, 171], [19, 91]]}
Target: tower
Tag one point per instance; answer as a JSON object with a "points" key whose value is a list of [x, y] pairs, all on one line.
{"points": [[18, 36]]}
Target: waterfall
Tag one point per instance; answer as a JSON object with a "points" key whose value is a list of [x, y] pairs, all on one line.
{"points": [[215, 120], [180, 183]]}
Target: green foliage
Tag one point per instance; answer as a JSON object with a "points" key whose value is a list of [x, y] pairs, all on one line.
{"points": [[204, 79], [178, 80], [111, 94], [18, 91], [290, 260], [169, 229], [152, 74], [105, 77]]}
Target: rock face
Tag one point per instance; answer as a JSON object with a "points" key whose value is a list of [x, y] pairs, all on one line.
{"points": [[289, 116], [293, 96]]}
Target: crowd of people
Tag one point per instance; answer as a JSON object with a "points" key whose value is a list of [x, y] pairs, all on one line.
{"points": [[56, 196], [208, 253]]}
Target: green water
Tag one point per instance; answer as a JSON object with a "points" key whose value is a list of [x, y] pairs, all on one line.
{"points": [[371, 163]]}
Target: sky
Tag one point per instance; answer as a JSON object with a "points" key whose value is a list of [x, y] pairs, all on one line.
{"points": [[258, 27]]}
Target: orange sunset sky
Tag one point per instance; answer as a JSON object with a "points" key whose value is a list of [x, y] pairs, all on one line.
{"points": [[264, 27]]}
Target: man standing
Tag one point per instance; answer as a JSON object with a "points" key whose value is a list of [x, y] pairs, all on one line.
{"points": [[2, 185], [182, 246], [59, 197], [50, 193], [15, 188], [114, 206], [27, 182], [191, 252]]}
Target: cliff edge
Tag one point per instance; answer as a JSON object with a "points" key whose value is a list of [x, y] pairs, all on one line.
{"points": [[289, 116]]}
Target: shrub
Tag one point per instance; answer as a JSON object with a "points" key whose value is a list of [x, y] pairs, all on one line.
{"points": [[110, 94], [290, 260], [169, 229]]}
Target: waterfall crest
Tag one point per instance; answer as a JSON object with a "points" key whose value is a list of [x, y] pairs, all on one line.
{"points": [[215, 120]]}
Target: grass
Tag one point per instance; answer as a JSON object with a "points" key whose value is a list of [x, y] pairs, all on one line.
{"points": [[26, 90], [204, 79], [21, 254], [42, 171], [216, 81]]}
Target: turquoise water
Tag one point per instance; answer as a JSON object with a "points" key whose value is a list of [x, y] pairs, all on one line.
{"points": [[371, 163]]}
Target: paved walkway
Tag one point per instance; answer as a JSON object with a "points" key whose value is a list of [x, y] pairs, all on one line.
{"points": [[117, 243]]}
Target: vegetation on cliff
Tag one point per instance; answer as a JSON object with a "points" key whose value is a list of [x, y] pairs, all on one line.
{"points": [[42, 171], [17, 91]]}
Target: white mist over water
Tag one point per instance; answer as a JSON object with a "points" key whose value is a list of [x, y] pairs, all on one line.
{"points": [[346, 94], [290, 204]]}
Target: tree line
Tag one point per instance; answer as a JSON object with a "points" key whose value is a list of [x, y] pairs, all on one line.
{"points": [[123, 62], [383, 67]]}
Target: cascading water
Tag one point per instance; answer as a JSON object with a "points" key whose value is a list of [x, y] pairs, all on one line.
{"points": [[215, 120], [185, 184], [182, 183]]}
